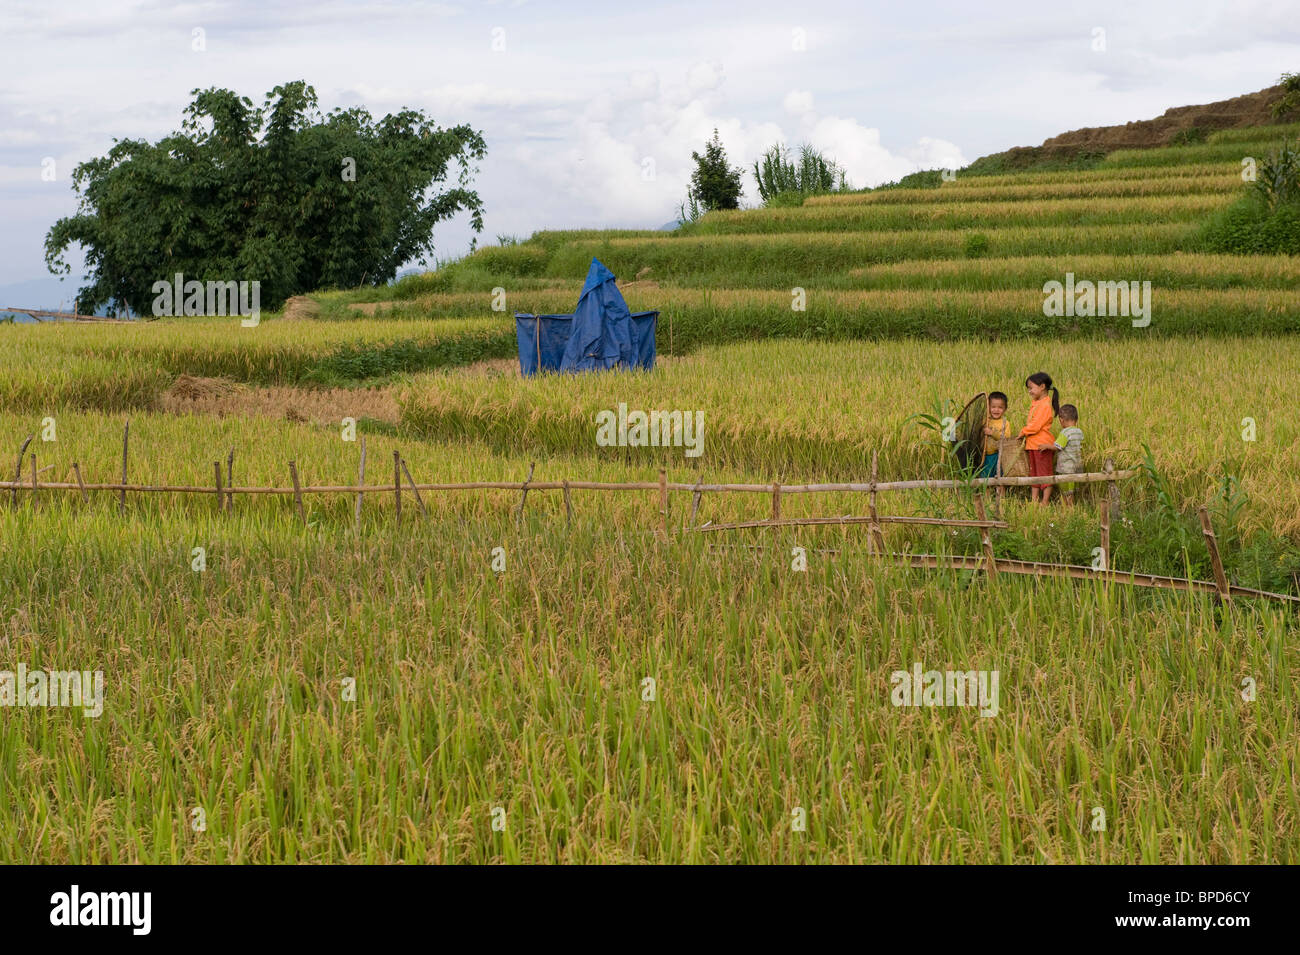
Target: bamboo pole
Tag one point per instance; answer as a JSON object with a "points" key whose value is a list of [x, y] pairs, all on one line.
{"points": [[663, 501], [221, 497], [986, 540], [776, 507], [397, 485], [575, 485], [876, 540], [568, 506], [361, 480], [1109, 469], [76, 469], [1105, 534], [523, 497], [967, 562], [414, 489], [1220, 578], [297, 492], [18, 468], [126, 435], [1066, 571], [846, 520]]}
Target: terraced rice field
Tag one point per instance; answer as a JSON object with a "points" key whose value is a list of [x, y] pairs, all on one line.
{"points": [[332, 690]]}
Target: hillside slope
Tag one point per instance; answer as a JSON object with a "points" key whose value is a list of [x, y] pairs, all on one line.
{"points": [[1252, 109], [955, 259]]}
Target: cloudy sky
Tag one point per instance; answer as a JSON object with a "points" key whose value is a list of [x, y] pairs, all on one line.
{"points": [[591, 111]]}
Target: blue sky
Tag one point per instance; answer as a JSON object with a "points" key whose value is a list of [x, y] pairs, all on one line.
{"points": [[578, 101]]}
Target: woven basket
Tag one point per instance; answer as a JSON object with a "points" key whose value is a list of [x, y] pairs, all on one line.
{"points": [[1012, 460]]}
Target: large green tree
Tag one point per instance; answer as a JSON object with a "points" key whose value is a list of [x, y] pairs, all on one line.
{"points": [[715, 184], [278, 194]]}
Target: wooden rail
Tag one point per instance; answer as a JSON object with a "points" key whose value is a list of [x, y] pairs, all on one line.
{"points": [[44, 313], [768, 489], [225, 495]]}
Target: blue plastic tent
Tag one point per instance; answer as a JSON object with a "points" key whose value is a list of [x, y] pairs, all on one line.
{"points": [[601, 333]]}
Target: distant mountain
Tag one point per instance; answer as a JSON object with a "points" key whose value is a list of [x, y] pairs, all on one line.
{"points": [[49, 292]]}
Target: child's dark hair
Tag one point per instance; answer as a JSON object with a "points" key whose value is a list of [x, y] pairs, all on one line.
{"points": [[1043, 378], [1068, 413], [998, 396]]}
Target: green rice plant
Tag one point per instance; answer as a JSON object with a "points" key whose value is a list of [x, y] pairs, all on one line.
{"points": [[1230, 151], [1213, 183], [1182, 271], [331, 696], [1255, 134], [1084, 212], [732, 259], [840, 402], [1176, 170]]}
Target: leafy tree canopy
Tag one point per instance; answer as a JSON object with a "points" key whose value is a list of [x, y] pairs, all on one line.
{"points": [[714, 184], [278, 194]]}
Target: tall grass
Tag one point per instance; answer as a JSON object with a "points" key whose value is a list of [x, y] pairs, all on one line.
{"points": [[806, 411], [224, 690], [716, 257], [938, 214], [1215, 182]]}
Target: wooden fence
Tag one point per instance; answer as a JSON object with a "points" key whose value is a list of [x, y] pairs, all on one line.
{"points": [[224, 493]]}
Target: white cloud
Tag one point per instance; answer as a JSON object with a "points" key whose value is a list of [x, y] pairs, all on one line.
{"points": [[576, 103], [707, 75], [799, 102]]}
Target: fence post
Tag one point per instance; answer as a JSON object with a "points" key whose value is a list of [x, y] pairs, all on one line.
{"points": [[1109, 468], [18, 468], [986, 539], [126, 435], [76, 469], [663, 501], [361, 482], [221, 498], [414, 490], [1220, 578], [1105, 535], [230, 481], [568, 505], [776, 505], [876, 539], [695, 501], [297, 491], [523, 498], [397, 484]]}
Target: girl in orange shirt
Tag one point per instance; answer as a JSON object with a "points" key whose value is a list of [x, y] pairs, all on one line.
{"points": [[1040, 446]]}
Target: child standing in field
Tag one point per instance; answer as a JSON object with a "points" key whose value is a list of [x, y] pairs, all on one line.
{"points": [[1069, 444], [996, 427], [1040, 446]]}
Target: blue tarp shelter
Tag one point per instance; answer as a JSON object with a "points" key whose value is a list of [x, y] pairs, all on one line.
{"points": [[600, 334]]}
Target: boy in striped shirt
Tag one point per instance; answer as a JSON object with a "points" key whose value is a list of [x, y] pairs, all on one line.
{"points": [[1069, 448]]}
